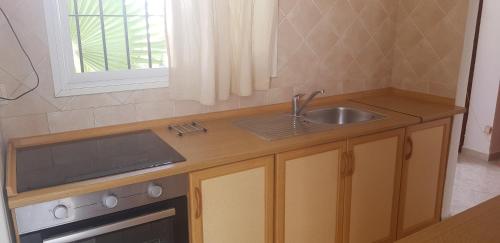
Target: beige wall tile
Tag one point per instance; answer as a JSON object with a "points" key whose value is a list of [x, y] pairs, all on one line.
{"points": [[350, 86], [148, 95], [90, 101], [385, 37], [23, 126], [70, 120], [324, 5], [409, 5], [299, 69], [287, 5], [114, 115], [322, 38], [12, 60], [184, 108], [280, 95], [356, 38], [341, 46], [408, 35], [443, 38], [46, 87], [341, 16], [154, 110], [28, 105], [304, 16], [373, 15], [10, 84], [258, 98], [426, 15], [429, 40], [231, 104], [337, 62], [358, 5], [288, 42]]}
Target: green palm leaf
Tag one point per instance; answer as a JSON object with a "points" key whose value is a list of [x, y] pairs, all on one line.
{"points": [[91, 35]]}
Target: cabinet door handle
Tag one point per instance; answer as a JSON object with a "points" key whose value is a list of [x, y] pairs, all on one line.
{"points": [[410, 148], [197, 195]]}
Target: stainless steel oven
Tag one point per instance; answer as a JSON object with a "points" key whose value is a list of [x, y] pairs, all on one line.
{"points": [[152, 212]]}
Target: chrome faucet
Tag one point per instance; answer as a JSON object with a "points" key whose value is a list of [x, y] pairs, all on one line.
{"points": [[298, 106]]}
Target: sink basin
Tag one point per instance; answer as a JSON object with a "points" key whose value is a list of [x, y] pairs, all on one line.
{"points": [[340, 116]]}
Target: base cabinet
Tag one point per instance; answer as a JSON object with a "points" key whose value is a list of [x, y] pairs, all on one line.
{"points": [[372, 187], [375, 188], [424, 168], [340, 192], [233, 203], [309, 189]]}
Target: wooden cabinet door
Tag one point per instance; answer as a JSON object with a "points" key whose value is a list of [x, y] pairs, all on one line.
{"points": [[309, 188], [233, 203], [372, 187], [423, 175]]}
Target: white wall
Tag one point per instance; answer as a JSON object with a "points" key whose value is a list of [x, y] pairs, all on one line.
{"points": [[495, 136], [4, 230], [486, 80], [460, 101]]}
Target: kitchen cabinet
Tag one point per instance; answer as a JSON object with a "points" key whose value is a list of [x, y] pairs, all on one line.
{"points": [[372, 187], [424, 170], [233, 203], [309, 189]]}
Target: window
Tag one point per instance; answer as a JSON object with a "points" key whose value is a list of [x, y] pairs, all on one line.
{"points": [[107, 45]]}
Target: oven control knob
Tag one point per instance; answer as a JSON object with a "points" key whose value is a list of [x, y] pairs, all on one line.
{"points": [[154, 191], [60, 212], [110, 201]]}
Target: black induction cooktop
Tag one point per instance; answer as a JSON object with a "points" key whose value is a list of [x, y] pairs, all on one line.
{"points": [[62, 163]]}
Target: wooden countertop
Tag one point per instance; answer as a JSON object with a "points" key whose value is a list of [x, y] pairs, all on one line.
{"points": [[425, 107], [223, 144], [476, 225]]}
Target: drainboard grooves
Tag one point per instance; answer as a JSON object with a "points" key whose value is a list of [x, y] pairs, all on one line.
{"points": [[274, 127]]}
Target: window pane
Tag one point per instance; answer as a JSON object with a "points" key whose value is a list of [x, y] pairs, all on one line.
{"points": [[158, 42], [93, 53], [112, 7], [156, 7], [138, 42], [74, 44], [115, 43], [135, 7], [91, 36], [88, 6], [71, 7]]}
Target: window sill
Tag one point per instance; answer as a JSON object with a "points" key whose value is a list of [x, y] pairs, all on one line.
{"points": [[77, 89]]}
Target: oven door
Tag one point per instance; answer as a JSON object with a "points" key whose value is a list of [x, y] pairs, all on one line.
{"points": [[162, 222]]}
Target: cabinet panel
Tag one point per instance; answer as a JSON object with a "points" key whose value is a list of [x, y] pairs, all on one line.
{"points": [[233, 203], [373, 187], [423, 175], [309, 189]]}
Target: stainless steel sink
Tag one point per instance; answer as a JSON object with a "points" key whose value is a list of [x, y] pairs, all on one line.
{"points": [[340, 116], [279, 126]]}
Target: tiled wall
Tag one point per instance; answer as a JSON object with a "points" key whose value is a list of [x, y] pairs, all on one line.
{"points": [[339, 45], [428, 48]]}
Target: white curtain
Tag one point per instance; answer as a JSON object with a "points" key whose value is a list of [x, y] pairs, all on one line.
{"points": [[220, 47]]}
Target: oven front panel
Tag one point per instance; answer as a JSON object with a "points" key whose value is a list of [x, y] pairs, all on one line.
{"points": [[155, 232], [161, 222], [69, 210]]}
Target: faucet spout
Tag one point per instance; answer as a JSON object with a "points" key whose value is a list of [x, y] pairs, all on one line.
{"points": [[297, 107]]}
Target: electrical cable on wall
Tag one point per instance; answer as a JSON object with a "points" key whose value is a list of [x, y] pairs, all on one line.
{"points": [[27, 56]]}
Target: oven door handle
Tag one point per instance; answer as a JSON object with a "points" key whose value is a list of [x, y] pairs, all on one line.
{"points": [[85, 234]]}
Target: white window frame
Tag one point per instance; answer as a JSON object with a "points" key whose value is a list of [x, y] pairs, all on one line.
{"points": [[67, 82]]}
